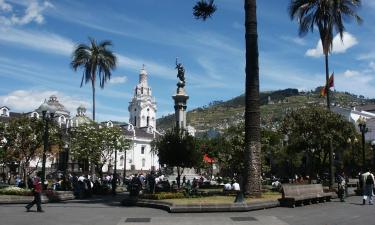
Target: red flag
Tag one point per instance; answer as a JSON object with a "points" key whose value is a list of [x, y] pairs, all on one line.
{"points": [[331, 81], [323, 91]]}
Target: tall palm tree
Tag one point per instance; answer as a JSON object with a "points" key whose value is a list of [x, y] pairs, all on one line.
{"points": [[252, 177], [327, 16], [95, 60]]}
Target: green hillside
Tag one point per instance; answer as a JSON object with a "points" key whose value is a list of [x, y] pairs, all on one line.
{"points": [[219, 115]]}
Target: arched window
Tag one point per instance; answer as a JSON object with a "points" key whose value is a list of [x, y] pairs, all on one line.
{"points": [[148, 121], [4, 112], [135, 121]]}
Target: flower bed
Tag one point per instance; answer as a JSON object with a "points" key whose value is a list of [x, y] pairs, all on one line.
{"points": [[15, 191]]}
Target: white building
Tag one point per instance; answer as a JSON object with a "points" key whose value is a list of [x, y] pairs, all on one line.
{"points": [[141, 129]]}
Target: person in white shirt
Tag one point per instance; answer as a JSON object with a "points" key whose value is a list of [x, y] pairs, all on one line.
{"points": [[236, 186], [227, 187]]}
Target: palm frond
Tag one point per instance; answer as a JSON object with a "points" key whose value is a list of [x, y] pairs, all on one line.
{"points": [[204, 9], [327, 15]]}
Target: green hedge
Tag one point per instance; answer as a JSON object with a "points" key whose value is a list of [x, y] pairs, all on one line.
{"points": [[15, 191], [163, 195]]}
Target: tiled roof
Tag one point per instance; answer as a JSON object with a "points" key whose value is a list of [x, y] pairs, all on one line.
{"points": [[139, 133]]}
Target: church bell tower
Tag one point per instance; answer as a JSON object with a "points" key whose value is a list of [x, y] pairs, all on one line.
{"points": [[142, 108]]}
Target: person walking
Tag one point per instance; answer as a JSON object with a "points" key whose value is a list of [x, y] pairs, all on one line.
{"points": [[367, 187], [341, 181], [37, 191]]}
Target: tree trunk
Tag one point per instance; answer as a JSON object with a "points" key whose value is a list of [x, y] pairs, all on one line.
{"points": [[252, 176], [327, 84], [93, 99]]}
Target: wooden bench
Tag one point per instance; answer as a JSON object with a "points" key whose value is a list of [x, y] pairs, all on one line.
{"points": [[293, 195]]}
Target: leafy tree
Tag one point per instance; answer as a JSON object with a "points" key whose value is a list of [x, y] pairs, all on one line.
{"points": [[327, 16], [24, 141], [112, 139], [177, 149], [85, 145], [96, 60], [307, 139], [228, 150], [252, 154], [94, 145], [3, 142]]}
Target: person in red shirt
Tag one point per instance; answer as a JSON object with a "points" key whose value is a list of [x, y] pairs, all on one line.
{"points": [[37, 191]]}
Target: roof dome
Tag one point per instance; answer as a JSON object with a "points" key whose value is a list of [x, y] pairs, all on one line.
{"points": [[53, 101]]}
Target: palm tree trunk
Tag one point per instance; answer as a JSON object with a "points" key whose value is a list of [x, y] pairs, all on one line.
{"points": [[252, 176], [93, 99], [327, 80]]}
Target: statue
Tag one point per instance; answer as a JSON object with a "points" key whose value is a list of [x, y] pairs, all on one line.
{"points": [[180, 74]]}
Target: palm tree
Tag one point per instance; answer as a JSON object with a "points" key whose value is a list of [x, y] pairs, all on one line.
{"points": [[252, 176], [327, 16], [95, 60]]}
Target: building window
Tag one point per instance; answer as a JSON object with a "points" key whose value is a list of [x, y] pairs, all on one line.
{"points": [[143, 150], [135, 121], [148, 121], [143, 162]]}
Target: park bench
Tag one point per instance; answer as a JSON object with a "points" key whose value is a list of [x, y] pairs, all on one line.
{"points": [[300, 194]]}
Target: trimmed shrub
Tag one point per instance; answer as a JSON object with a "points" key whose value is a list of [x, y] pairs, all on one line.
{"points": [[163, 195], [15, 191]]}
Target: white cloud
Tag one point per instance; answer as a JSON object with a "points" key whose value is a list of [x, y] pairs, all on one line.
{"points": [[338, 46], [372, 65], [29, 100], [366, 56], [295, 40], [6, 7], [351, 73], [118, 80], [42, 41], [33, 13], [151, 67]]}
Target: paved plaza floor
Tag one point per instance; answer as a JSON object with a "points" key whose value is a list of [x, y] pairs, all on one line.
{"points": [[109, 212]]}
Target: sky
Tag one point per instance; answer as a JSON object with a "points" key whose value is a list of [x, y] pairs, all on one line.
{"points": [[37, 38]]}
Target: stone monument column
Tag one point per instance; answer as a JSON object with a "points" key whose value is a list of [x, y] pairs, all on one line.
{"points": [[180, 98]]}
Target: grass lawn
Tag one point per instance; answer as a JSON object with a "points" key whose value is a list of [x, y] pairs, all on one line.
{"points": [[268, 196]]}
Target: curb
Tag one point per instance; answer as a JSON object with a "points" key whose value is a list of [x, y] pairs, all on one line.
{"points": [[17, 199], [202, 208]]}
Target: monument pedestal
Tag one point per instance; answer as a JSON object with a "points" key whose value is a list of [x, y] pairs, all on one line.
{"points": [[180, 100]]}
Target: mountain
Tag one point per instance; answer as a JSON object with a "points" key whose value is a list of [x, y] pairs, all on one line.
{"points": [[219, 115]]}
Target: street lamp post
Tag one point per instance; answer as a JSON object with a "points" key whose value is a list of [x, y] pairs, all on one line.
{"points": [[45, 108], [363, 129]]}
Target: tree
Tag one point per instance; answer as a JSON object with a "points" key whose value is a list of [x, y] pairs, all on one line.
{"points": [[326, 15], [111, 140], [84, 145], [95, 145], [96, 60], [252, 153], [310, 141], [177, 149], [24, 141]]}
